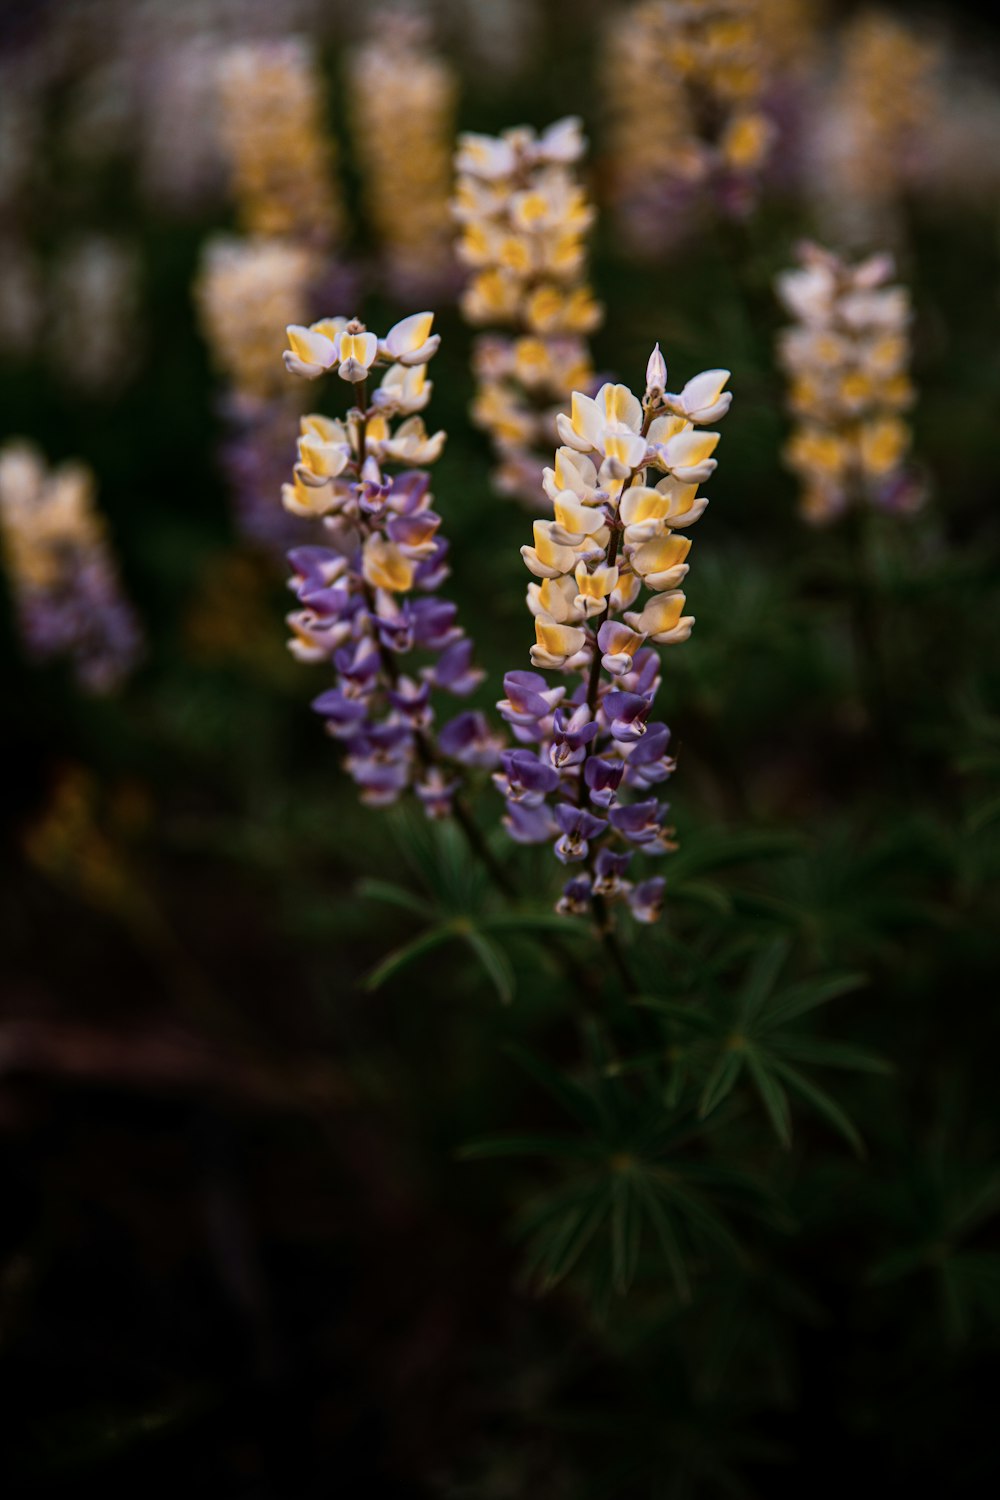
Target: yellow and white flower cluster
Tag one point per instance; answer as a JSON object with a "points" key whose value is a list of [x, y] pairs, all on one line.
{"points": [[275, 135], [402, 99], [683, 84], [65, 584], [328, 446], [614, 532], [524, 217], [246, 290], [789, 36], [881, 116], [847, 359], [45, 514]]}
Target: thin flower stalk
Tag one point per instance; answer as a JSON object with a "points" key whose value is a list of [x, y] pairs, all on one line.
{"points": [[847, 359], [523, 219], [608, 568], [402, 98], [67, 592], [368, 596]]}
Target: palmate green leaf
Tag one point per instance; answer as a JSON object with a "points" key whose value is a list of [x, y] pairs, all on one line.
{"points": [[700, 893], [494, 961], [573, 1098], [721, 1081], [816, 1050], [569, 1146], [899, 1264], [772, 1095], [982, 816], [438, 857], [689, 1204], [677, 1076], [749, 903], [543, 1209], [626, 1232], [560, 1258], [716, 851], [661, 1131], [562, 1226], [664, 1230], [406, 955], [799, 999], [975, 1207], [760, 981], [534, 922], [820, 1101], [621, 1066], [394, 895], [684, 1015]]}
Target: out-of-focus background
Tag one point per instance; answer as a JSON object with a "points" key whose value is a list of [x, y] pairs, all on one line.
{"points": [[238, 1244]]}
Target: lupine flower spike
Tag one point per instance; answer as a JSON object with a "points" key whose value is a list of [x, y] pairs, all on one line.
{"points": [[402, 99], [624, 489], [368, 602], [847, 357], [249, 286], [684, 84], [66, 587], [873, 141], [281, 152], [523, 219]]}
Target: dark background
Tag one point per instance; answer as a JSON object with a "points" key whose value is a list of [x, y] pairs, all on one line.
{"points": [[238, 1244]]}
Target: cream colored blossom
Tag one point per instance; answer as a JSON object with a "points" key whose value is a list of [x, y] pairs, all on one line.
{"points": [[523, 219], [62, 572], [876, 122], [684, 86], [402, 100], [281, 152], [613, 534], [328, 446], [846, 359]]}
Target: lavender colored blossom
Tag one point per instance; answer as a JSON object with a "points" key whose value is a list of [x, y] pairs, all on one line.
{"points": [[254, 456], [617, 532], [368, 600], [67, 592]]}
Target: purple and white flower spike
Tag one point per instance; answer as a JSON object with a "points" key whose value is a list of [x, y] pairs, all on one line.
{"points": [[587, 783], [368, 597], [66, 588]]}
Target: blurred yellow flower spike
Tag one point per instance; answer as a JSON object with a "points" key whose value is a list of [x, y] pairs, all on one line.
{"points": [[687, 91], [401, 98], [62, 571], [846, 358], [272, 109], [523, 218]]}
